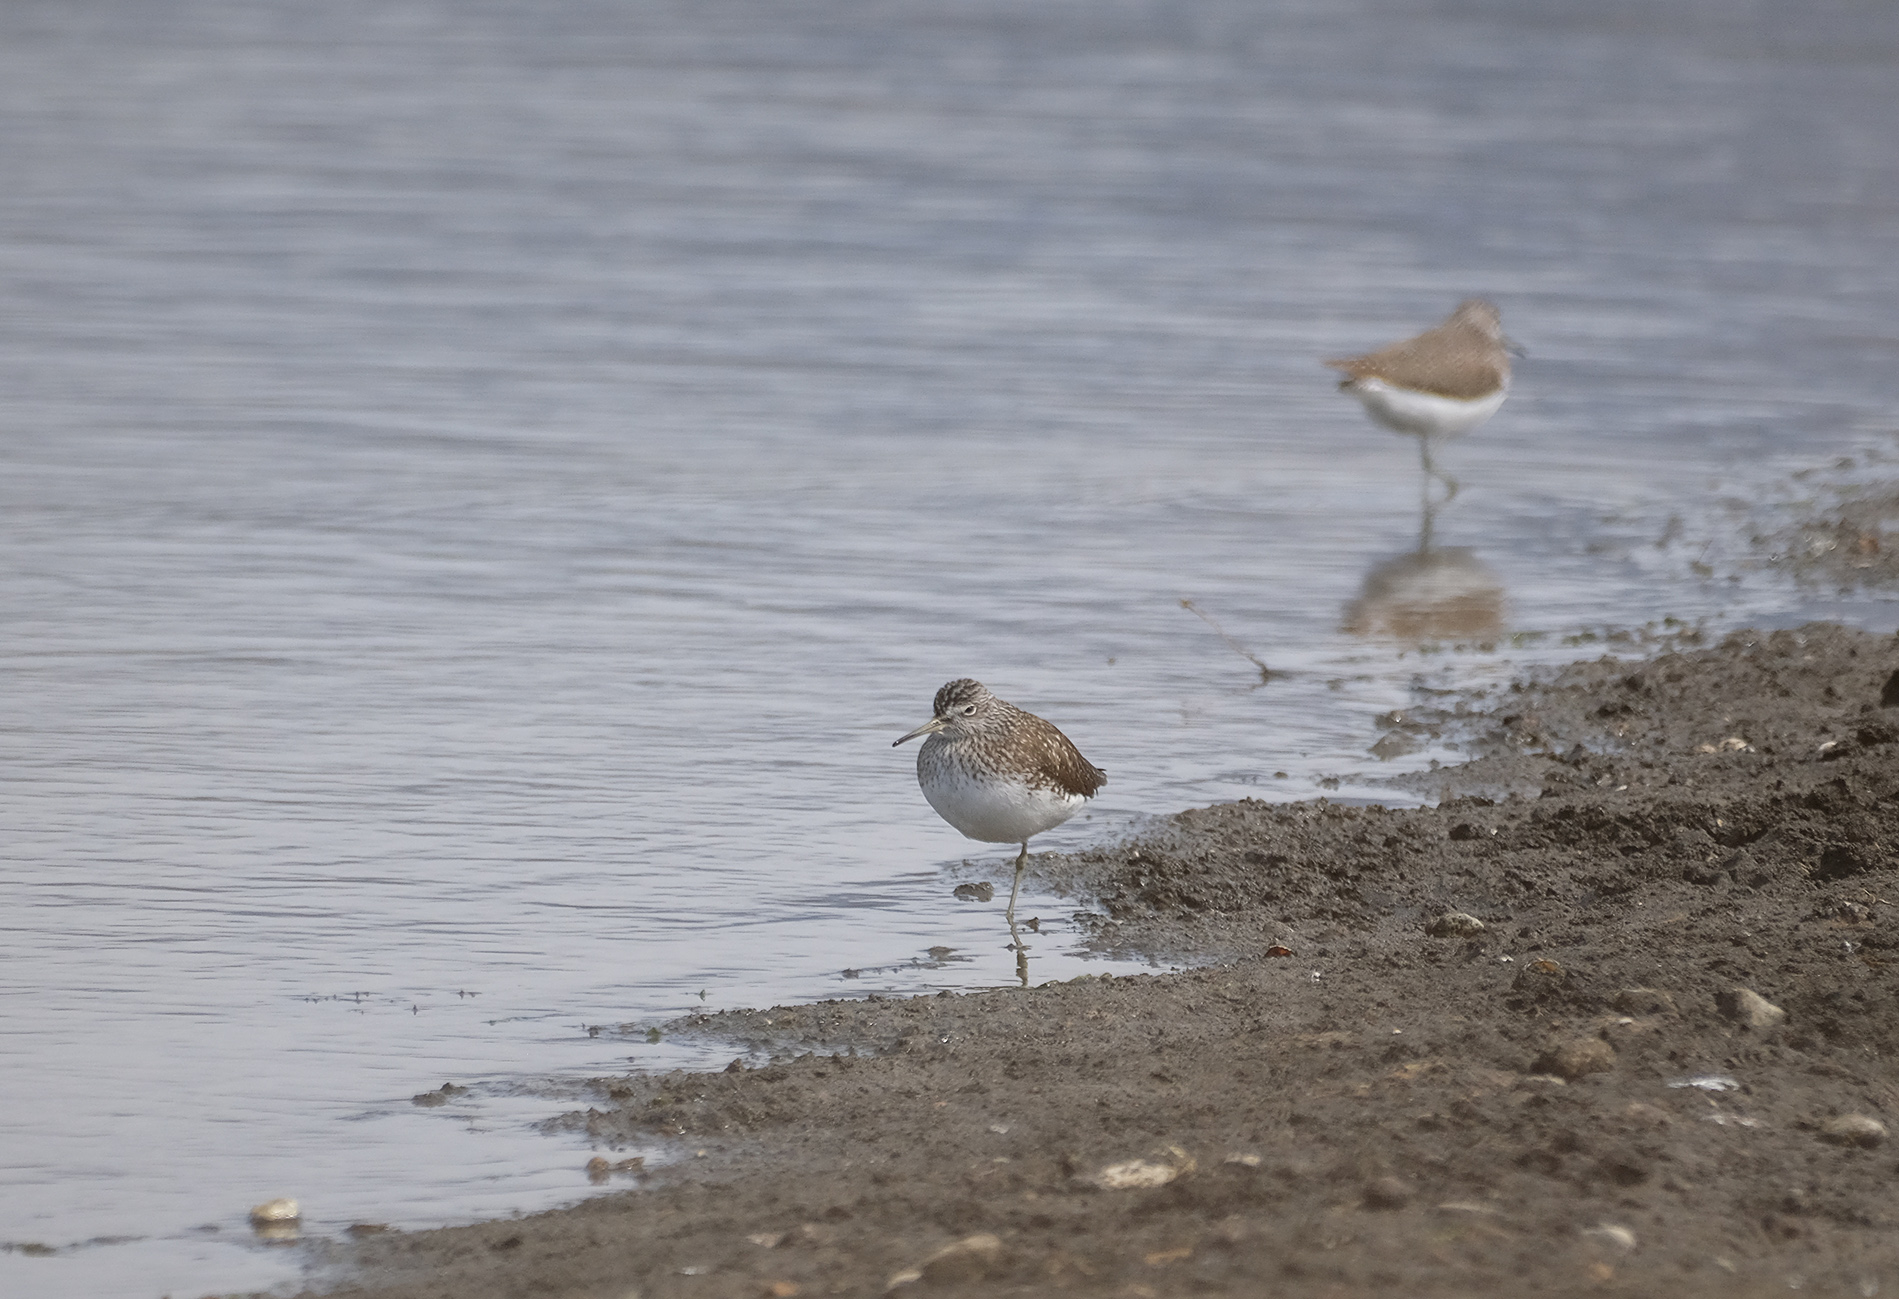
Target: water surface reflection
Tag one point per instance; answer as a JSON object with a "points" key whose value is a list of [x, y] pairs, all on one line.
{"points": [[1430, 593]]}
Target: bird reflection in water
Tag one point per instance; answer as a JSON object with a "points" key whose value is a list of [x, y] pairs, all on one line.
{"points": [[1431, 593]]}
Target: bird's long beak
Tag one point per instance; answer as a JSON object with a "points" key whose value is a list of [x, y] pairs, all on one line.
{"points": [[930, 727]]}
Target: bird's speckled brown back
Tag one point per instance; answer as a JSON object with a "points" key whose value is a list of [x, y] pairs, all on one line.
{"points": [[1051, 756], [1463, 358]]}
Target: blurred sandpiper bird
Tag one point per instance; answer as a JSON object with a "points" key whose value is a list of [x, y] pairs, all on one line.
{"points": [[1444, 382]]}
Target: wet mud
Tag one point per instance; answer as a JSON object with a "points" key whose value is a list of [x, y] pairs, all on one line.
{"points": [[1619, 1015]]}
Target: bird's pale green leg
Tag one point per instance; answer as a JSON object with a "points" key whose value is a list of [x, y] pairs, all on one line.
{"points": [[1015, 939]]}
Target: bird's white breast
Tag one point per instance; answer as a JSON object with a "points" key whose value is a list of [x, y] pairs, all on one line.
{"points": [[992, 808], [1424, 414]]}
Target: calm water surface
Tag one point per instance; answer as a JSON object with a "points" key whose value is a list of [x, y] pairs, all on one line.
{"points": [[482, 485]]}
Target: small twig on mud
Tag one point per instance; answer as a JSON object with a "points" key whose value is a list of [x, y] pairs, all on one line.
{"points": [[1265, 673]]}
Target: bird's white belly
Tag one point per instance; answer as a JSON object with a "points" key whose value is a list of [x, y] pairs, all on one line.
{"points": [[990, 809], [1424, 414]]}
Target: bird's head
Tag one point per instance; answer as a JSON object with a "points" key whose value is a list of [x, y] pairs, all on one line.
{"points": [[960, 709]]}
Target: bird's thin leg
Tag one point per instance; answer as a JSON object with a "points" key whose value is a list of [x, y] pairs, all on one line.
{"points": [[1015, 937], [1432, 471], [1021, 863]]}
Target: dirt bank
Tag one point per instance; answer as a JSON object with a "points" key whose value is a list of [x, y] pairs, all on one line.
{"points": [[1627, 1024]]}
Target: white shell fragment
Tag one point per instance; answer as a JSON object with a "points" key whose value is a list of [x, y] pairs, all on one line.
{"points": [[1709, 1082], [1135, 1175]]}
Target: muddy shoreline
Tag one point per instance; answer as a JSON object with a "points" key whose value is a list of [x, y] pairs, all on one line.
{"points": [[1626, 1021]]}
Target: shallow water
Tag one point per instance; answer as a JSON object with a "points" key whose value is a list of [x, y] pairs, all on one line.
{"points": [[482, 485]]}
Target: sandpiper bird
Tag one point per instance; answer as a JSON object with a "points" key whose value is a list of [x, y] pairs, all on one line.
{"points": [[999, 774], [1444, 382]]}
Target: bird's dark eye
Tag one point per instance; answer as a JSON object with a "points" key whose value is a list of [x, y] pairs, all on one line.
{"points": [[969, 710]]}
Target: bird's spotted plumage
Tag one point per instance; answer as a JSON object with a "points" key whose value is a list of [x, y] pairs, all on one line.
{"points": [[997, 773]]}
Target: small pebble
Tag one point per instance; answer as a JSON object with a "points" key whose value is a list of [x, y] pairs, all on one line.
{"points": [[1749, 1009], [1577, 1058], [1853, 1130], [1644, 1001], [438, 1097], [1387, 1193], [1393, 744], [969, 1259], [282, 1210], [1454, 924], [598, 1169], [1540, 977]]}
